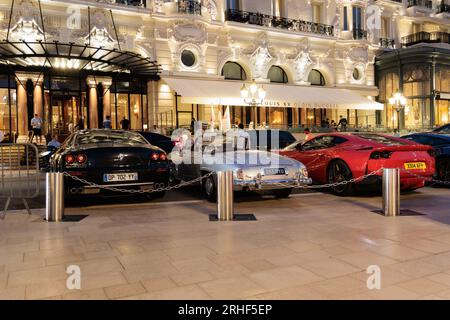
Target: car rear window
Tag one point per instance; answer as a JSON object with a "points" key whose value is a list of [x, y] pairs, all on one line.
{"points": [[381, 139], [109, 137]]}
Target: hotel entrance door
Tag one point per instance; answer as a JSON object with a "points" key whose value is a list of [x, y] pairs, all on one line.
{"points": [[65, 113]]}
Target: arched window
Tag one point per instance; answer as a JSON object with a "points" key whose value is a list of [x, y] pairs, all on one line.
{"points": [[233, 71], [316, 78], [277, 75]]}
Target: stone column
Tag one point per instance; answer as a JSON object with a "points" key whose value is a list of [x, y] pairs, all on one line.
{"points": [[152, 103], [22, 111], [92, 102], [106, 99], [38, 103]]}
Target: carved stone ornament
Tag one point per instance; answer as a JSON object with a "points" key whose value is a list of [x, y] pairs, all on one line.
{"points": [[211, 7], [301, 64], [260, 59], [187, 32], [26, 25]]}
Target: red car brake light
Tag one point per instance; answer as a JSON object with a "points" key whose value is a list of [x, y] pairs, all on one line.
{"points": [[154, 156], [81, 158], [69, 159], [162, 157]]}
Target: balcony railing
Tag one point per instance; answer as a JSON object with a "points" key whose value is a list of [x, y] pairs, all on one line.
{"points": [[359, 34], [426, 37], [132, 3], [190, 7], [279, 22], [420, 3], [387, 43], [443, 7]]}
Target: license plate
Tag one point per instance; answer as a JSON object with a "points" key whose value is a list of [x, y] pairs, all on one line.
{"points": [[415, 166], [274, 171], [118, 177]]}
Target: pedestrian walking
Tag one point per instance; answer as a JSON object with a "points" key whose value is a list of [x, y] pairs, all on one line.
{"points": [[107, 123], [125, 124]]}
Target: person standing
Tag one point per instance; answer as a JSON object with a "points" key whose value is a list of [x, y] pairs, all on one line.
{"points": [[125, 123], [342, 123], [308, 134], [107, 123], [36, 124]]}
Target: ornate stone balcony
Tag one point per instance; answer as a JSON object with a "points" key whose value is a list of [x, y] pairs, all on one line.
{"points": [[269, 21], [425, 37], [387, 43], [359, 34], [190, 7]]}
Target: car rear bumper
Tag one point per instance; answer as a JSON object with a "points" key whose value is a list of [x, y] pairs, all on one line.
{"points": [[148, 180], [272, 184]]}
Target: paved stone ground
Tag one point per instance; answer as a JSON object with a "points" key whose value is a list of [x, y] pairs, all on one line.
{"points": [[314, 246]]}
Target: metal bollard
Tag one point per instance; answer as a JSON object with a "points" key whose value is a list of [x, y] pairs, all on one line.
{"points": [[54, 196], [225, 205], [391, 192]]}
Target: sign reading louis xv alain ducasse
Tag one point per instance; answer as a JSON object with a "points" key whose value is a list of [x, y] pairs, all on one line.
{"points": [[290, 104]]}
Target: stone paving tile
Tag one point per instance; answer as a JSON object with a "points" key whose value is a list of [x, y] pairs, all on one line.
{"points": [[393, 293], [364, 259], [158, 284], [285, 277], [124, 290], [96, 294], [191, 292], [294, 293], [231, 288], [423, 286], [184, 279], [329, 268], [339, 287]]}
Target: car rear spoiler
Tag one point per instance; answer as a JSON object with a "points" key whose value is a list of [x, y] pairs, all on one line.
{"points": [[412, 147]]}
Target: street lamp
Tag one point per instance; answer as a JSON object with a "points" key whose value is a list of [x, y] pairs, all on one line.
{"points": [[253, 96], [399, 103]]}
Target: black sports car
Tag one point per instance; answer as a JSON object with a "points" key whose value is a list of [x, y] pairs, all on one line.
{"points": [[441, 145], [121, 159], [159, 140], [445, 129]]}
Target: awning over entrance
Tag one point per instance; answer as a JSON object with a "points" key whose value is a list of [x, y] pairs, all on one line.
{"points": [[223, 92], [75, 56]]}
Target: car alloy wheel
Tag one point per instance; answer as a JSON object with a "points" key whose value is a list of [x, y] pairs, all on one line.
{"points": [[209, 189], [339, 172]]}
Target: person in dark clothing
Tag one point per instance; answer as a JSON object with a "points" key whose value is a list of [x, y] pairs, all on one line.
{"points": [[125, 124], [80, 124], [241, 126], [192, 125], [342, 123]]}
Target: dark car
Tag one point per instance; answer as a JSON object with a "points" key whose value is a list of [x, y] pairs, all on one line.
{"points": [[445, 129], [44, 158], [116, 158], [270, 139], [441, 145], [159, 140]]}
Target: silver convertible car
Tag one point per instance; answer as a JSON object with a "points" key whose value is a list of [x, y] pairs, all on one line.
{"points": [[253, 170]]}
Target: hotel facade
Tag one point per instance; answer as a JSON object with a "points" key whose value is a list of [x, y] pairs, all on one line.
{"points": [[163, 63]]}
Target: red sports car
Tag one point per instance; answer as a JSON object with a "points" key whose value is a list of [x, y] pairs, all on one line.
{"points": [[337, 157]]}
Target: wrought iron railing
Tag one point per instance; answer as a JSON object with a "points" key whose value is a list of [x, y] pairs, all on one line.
{"points": [[133, 3], [426, 37], [279, 22], [359, 34], [190, 7], [387, 43], [443, 7], [420, 3]]}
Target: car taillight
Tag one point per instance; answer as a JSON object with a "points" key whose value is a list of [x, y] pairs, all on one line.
{"points": [[81, 158], [155, 156], [162, 157], [69, 159], [434, 152], [380, 155]]}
